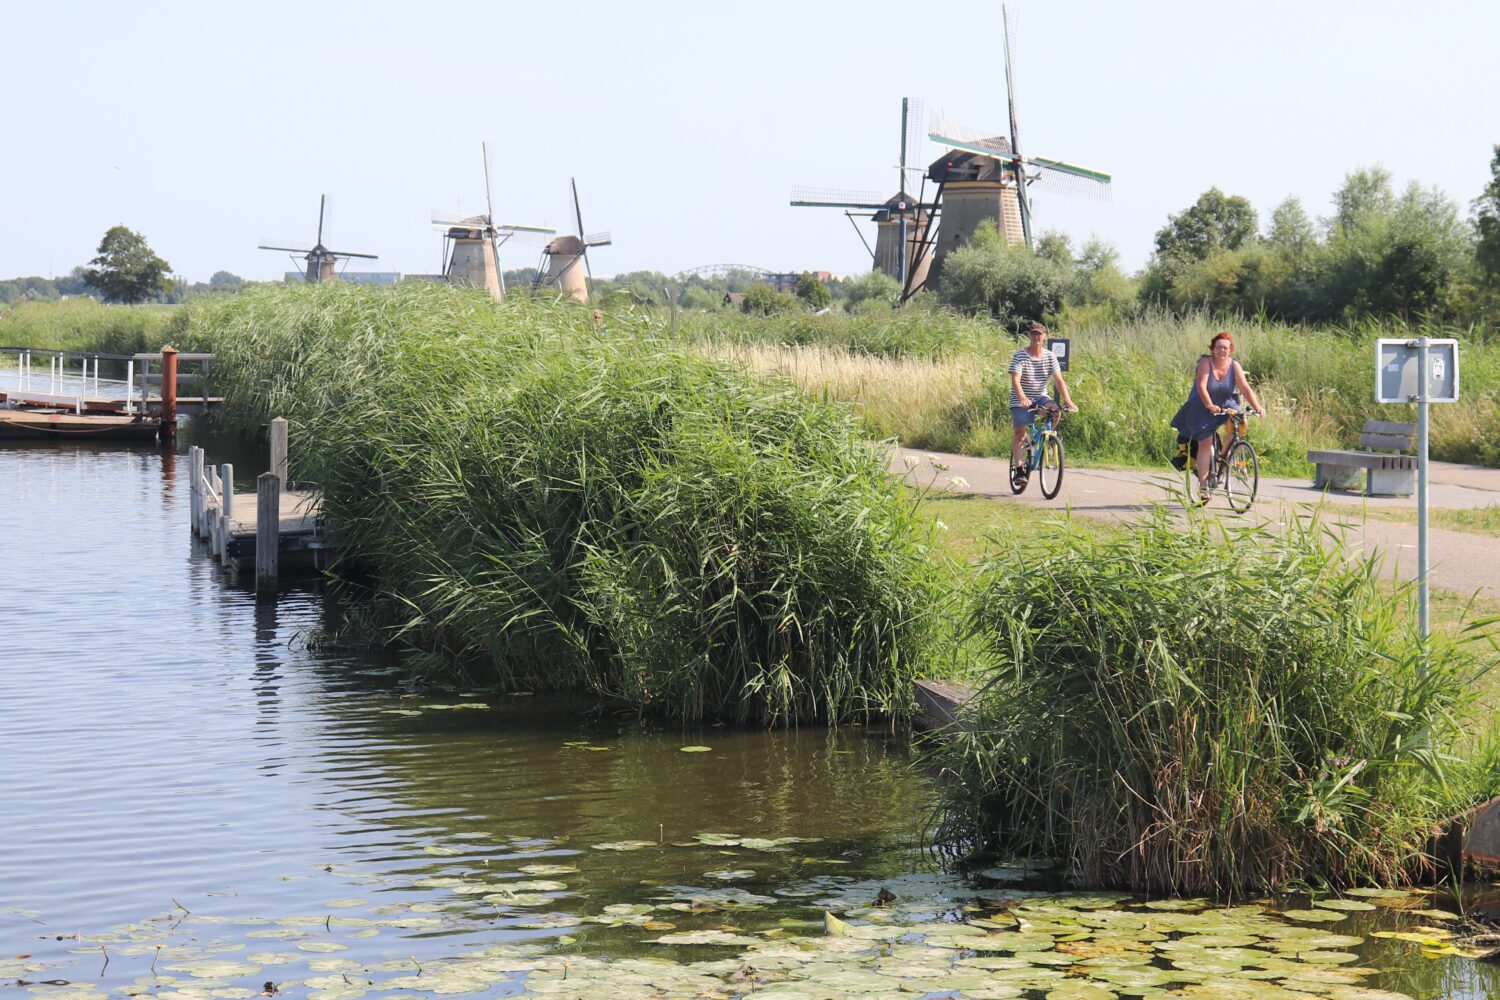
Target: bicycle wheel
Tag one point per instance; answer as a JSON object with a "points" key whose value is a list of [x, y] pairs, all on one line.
{"points": [[1241, 475], [1051, 470], [1019, 473]]}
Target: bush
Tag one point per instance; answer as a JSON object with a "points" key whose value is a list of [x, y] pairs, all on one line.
{"points": [[1012, 284], [762, 299], [546, 507], [1193, 708]]}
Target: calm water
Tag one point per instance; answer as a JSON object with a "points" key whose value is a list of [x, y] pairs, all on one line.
{"points": [[168, 741], [179, 766]]}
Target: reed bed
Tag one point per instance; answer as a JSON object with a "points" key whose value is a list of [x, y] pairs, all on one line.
{"points": [[541, 505], [1195, 708], [83, 324]]}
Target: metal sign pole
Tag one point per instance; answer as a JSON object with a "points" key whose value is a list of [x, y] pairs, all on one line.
{"points": [[1423, 403]]}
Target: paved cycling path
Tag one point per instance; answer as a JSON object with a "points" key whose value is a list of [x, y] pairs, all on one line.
{"points": [[1461, 562]]}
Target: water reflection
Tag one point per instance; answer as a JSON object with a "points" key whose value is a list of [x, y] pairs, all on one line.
{"points": [[171, 742]]}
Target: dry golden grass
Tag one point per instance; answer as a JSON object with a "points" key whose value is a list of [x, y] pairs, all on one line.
{"points": [[894, 396]]}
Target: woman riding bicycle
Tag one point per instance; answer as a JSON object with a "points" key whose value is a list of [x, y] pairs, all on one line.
{"points": [[1032, 367], [1216, 390]]}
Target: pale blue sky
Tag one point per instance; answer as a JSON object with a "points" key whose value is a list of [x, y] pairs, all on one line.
{"points": [[210, 128]]}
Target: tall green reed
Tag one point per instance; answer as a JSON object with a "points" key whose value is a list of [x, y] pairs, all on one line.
{"points": [[545, 504], [1201, 708]]}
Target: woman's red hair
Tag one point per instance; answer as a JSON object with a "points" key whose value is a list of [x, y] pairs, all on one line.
{"points": [[1221, 335]]}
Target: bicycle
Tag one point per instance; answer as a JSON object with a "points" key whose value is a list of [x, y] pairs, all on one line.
{"points": [[1234, 466], [1042, 454]]}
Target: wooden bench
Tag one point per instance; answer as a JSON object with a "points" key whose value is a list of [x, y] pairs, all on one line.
{"points": [[1384, 456]]}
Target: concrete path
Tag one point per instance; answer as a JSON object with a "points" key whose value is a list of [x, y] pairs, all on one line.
{"points": [[1461, 562]]}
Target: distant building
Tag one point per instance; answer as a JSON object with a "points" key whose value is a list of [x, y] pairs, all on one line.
{"points": [[788, 282]]}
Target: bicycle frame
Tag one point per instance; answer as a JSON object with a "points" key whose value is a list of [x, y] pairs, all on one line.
{"points": [[1042, 421]]}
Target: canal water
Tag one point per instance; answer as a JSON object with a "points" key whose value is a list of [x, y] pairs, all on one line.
{"points": [[202, 801]]}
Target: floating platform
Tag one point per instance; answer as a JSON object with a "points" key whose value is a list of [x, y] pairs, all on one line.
{"points": [[57, 424]]}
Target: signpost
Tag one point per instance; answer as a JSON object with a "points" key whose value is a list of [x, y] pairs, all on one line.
{"points": [[1059, 346], [1421, 371]]}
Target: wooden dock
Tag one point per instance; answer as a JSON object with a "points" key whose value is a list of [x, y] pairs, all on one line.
{"points": [[270, 530]]}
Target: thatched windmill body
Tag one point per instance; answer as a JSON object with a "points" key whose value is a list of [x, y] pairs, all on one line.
{"points": [[986, 176], [321, 262], [561, 257], [471, 244], [900, 220]]}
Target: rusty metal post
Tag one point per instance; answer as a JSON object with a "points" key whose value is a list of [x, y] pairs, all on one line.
{"points": [[267, 533], [168, 393]]}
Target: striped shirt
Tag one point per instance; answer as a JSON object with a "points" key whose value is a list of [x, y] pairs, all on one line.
{"points": [[1035, 373]]}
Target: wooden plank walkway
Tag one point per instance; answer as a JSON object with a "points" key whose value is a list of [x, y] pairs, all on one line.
{"points": [[232, 529]]}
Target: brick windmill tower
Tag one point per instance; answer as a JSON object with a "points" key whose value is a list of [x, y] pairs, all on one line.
{"points": [[899, 219], [471, 244], [321, 262], [561, 257], [986, 176]]}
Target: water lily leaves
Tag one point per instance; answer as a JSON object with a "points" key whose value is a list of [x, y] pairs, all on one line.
{"points": [[833, 926], [1080, 991], [704, 937], [1314, 916], [536, 885], [1327, 957], [695, 749], [731, 875], [216, 970], [1346, 905], [625, 845], [321, 946], [1436, 914], [548, 869]]}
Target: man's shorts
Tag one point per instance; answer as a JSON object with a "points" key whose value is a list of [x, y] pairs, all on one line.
{"points": [[1020, 416]]}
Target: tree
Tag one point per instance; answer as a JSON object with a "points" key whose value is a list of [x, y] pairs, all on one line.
{"points": [[1012, 284], [1216, 221], [226, 281], [763, 299], [1487, 225], [126, 269], [1292, 232], [812, 291], [1056, 247], [1364, 199], [874, 287]]}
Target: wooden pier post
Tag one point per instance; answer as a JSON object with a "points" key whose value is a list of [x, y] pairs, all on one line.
{"points": [[278, 449], [267, 533], [168, 393], [226, 513], [195, 486]]}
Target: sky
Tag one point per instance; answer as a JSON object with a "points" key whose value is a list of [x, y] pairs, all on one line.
{"points": [[210, 128]]}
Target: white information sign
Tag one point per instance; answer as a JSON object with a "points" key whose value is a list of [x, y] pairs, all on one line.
{"points": [[1396, 371]]}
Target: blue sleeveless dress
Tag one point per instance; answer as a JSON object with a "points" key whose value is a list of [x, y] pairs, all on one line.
{"points": [[1193, 419]]}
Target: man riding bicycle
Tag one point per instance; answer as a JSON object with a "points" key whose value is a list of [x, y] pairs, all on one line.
{"points": [[1032, 367]]}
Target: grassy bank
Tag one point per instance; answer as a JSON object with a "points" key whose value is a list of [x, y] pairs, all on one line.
{"points": [[543, 506], [1190, 708], [83, 324], [935, 380]]}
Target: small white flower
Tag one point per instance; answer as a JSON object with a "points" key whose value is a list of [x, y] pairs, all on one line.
{"points": [[958, 482], [911, 461], [940, 525]]}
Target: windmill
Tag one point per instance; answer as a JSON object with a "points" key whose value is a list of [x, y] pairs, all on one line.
{"points": [[559, 265], [475, 241], [898, 219], [320, 259], [985, 176]]}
